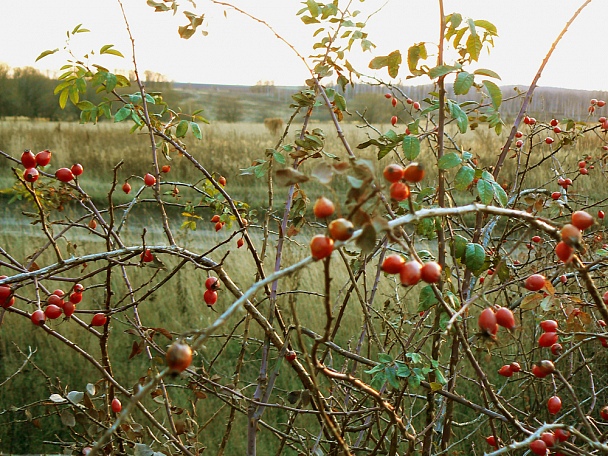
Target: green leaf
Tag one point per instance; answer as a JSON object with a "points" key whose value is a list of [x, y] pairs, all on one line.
{"points": [[449, 160], [196, 130], [378, 380], [402, 370], [122, 81], [107, 49], [45, 53], [495, 93], [441, 70], [411, 147], [440, 378], [111, 82], [455, 19], [464, 177], [392, 61], [376, 368], [459, 115], [503, 271], [74, 95], [391, 377], [486, 72], [122, 114], [278, 157], [63, 85], [313, 7], [474, 46], [413, 381], [459, 245], [485, 190], [426, 227], [305, 19], [384, 150], [463, 83], [500, 194], [182, 129], [385, 358], [490, 28], [416, 358], [474, 256], [340, 102], [414, 54], [85, 105], [427, 298], [472, 27], [135, 97], [77, 29], [487, 175], [63, 98]]}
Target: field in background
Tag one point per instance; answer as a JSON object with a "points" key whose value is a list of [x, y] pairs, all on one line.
{"points": [[225, 148]]}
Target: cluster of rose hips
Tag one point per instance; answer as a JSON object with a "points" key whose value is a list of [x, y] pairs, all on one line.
{"points": [[490, 319], [593, 103], [218, 224], [549, 440], [395, 119], [339, 229], [572, 238], [57, 305], [212, 284], [7, 299], [549, 338], [412, 272], [399, 177], [342, 229], [30, 162]]}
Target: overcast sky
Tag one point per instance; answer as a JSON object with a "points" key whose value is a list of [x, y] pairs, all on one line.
{"points": [[239, 50]]}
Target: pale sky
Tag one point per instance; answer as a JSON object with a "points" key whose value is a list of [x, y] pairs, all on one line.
{"points": [[239, 50]]}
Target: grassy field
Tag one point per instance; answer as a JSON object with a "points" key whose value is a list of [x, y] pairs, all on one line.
{"points": [[225, 149]]}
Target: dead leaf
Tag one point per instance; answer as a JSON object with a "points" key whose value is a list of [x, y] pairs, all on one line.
{"points": [[323, 172], [294, 396], [361, 218], [67, 418], [200, 395], [181, 427], [164, 332], [292, 230], [367, 239], [341, 167], [531, 302], [136, 349], [289, 176]]}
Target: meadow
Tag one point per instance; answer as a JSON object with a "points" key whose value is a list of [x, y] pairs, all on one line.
{"points": [[225, 148]]}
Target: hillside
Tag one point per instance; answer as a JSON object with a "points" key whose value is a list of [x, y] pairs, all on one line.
{"points": [[255, 103]]}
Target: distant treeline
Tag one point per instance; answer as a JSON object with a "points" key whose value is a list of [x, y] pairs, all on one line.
{"points": [[26, 92]]}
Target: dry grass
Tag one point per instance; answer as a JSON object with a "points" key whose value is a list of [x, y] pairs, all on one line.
{"points": [[225, 149]]}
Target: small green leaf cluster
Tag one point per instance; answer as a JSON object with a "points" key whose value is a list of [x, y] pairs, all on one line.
{"points": [[392, 371]]}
